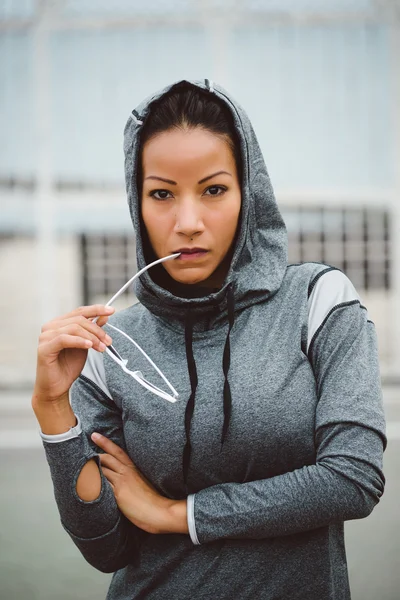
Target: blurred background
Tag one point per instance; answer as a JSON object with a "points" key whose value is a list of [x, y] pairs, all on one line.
{"points": [[320, 80]]}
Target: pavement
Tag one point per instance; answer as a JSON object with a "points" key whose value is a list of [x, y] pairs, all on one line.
{"points": [[38, 560]]}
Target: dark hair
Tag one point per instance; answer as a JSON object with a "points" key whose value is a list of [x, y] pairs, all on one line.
{"points": [[187, 106]]}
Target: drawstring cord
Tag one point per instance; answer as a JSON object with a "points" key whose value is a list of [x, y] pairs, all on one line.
{"points": [[190, 405], [227, 396], [226, 363]]}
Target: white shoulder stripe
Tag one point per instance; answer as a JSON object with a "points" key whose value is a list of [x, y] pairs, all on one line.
{"points": [[331, 289], [94, 370]]}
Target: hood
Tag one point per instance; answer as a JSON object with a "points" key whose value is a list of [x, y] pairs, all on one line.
{"points": [[260, 255]]}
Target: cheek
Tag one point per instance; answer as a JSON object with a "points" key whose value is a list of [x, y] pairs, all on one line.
{"points": [[224, 224], [156, 222]]}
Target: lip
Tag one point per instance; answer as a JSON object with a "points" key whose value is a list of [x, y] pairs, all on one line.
{"points": [[191, 253], [191, 250]]}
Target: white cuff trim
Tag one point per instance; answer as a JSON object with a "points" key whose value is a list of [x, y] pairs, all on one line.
{"points": [[190, 520], [61, 437]]}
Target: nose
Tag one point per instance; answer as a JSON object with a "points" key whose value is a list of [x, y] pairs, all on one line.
{"points": [[188, 218]]}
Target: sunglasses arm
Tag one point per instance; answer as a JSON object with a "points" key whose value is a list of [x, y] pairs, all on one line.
{"points": [[138, 274]]}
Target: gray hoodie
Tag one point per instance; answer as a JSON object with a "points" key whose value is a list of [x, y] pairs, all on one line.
{"points": [[277, 435]]}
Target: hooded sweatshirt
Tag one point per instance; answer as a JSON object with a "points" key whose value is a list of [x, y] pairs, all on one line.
{"points": [[276, 437]]}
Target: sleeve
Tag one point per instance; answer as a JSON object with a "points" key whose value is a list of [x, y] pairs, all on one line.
{"points": [[346, 481], [104, 536]]}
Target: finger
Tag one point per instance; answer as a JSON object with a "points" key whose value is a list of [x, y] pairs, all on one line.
{"points": [[111, 448], [112, 463], [52, 335], [61, 342], [82, 321], [82, 329], [110, 475], [92, 311]]}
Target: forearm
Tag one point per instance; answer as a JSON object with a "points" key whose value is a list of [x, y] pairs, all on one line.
{"points": [[337, 488], [291, 503], [58, 417], [106, 539]]}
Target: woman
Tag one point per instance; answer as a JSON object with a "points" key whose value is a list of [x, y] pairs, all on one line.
{"points": [[240, 488]]}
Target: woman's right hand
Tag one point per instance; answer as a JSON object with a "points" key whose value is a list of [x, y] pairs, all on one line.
{"points": [[63, 348]]}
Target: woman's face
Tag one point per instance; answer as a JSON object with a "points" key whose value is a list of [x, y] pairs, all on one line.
{"points": [[191, 201]]}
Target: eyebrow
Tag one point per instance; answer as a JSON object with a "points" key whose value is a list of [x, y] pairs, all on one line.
{"points": [[214, 175], [201, 180], [161, 179]]}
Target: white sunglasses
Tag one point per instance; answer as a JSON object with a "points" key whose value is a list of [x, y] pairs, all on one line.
{"points": [[117, 358]]}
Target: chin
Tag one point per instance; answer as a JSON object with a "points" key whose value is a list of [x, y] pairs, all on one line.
{"points": [[188, 278]]}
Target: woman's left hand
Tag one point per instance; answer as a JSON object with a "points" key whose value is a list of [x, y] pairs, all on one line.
{"points": [[136, 497]]}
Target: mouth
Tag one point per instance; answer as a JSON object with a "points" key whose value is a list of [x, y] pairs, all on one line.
{"points": [[191, 253]]}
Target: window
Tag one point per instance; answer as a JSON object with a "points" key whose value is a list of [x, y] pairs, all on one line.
{"points": [[356, 240], [108, 262]]}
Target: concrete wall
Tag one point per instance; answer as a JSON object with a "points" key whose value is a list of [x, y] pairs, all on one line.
{"points": [[20, 302]]}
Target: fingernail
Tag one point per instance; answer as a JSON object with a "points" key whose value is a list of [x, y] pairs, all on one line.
{"points": [[109, 309], [102, 346], [108, 339], [96, 436]]}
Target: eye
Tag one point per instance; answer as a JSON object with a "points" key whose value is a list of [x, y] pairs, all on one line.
{"points": [[215, 190], [162, 194]]}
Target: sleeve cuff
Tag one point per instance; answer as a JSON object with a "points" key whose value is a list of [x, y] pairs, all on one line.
{"points": [[61, 437], [191, 522]]}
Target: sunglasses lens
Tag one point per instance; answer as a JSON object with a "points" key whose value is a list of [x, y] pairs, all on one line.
{"points": [[115, 355]]}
